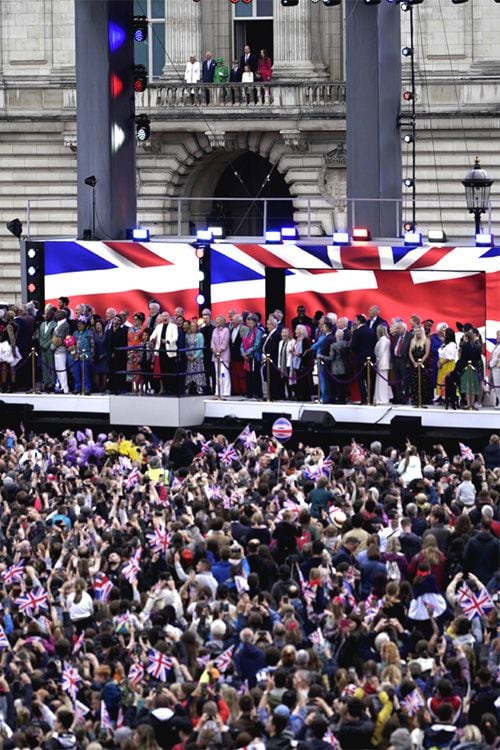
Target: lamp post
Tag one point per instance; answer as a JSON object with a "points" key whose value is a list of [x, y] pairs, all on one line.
{"points": [[477, 186]]}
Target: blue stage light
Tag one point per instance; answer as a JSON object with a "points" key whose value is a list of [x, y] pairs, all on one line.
{"points": [[272, 236], [485, 240], [116, 36], [341, 238]]}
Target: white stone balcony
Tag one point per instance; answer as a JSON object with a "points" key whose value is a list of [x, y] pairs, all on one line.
{"points": [[241, 96]]}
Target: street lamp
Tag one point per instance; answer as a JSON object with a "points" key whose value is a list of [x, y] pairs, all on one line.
{"points": [[477, 192]]}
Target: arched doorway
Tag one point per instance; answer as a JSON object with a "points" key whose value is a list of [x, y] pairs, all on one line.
{"points": [[246, 177]]}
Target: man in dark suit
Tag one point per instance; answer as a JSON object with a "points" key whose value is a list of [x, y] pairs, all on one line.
{"points": [[206, 329], [400, 346], [250, 59], [362, 347], [271, 348], [208, 68]]}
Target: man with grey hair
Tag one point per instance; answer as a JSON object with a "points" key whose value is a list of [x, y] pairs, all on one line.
{"points": [[270, 350], [400, 347], [400, 739], [236, 333], [249, 659]]}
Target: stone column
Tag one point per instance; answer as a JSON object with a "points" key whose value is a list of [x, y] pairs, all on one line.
{"points": [[183, 36], [292, 42]]}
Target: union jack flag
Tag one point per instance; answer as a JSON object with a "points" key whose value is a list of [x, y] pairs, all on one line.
{"points": [[306, 588], [102, 587], [326, 467], [79, 643], [443, 280], [135, 673], [159, 539], [223, 662], [412, 703], [70, 680], [131, 568], [159, 665], [292, 506], [4, 641], [466, 452], [106, 722], [13, 574], [243, 688], [205, 447], [228, 455], [311, 471], [132, 479], [317, 638], [476, 604], [81, 711], [33, 601], [330, 738], [248, 438]]}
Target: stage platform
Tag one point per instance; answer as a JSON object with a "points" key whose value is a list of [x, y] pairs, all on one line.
{"points": [[171, 412]]}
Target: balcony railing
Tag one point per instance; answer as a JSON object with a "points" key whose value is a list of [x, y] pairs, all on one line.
{"points": [[257, 95]]}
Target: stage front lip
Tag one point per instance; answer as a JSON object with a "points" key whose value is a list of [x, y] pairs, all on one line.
{"points": [[164, 411]]}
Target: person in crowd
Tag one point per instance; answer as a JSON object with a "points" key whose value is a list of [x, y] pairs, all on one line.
{"points": [[10, 355], [382, 351], [134, 341], [116, 341], [302, 364], [421, 387], [45, 333], [165, 338], [285, 354], [447, 357], [236, 331], [251, 351], [270, 359], [195, 377], [221, 356], [100, 364], [80, 356], [494, 366]]}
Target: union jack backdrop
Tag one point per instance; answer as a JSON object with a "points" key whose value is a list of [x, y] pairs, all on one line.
{"points": [[443, 283]]}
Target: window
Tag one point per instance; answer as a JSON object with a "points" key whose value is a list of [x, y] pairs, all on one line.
{"points": [[253, 25], [151, 54], [256, 9]]}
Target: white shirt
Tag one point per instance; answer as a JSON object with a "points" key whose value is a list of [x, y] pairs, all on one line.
{"points": [[80, 610], [168, 340], [192, 72]]}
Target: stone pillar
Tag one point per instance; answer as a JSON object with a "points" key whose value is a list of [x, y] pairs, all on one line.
{"points": [[183, 36], [292, 42]]}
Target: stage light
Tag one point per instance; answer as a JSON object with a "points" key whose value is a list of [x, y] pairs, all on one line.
{"points": [[405, 7], [408, 182], [199, 252], [289, 234], [372, 2], [217, 232], [204, 235], [484, 239], [116, 36], [200, 299], [407, 51], [409, 226], [31, 253], [289, 3], [117, 137], [459, 2], [408, 138], [331, 3], [436, 235], [361, 234], [413, 238], [140, 24], [32, 271], [140, 79], [138, 234], [143, 128], [15, 227], [272, 237], [341, 238], [91, 181], [116, 85], [408, 96]]}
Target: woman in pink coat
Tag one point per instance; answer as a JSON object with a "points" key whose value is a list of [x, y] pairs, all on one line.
{"points": [[221, 356]]}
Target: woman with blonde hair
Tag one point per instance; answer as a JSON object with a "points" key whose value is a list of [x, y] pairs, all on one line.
{"points": [[421, 384], [432, 555]]}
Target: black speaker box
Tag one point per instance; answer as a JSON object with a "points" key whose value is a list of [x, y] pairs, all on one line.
{"points": [[319, 418]]}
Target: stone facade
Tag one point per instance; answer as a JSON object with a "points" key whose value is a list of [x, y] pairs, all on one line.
{"points": [[297, 123]]}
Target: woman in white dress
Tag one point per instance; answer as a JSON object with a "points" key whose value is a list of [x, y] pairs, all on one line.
{"points": [[494, 365], [383, 391]]}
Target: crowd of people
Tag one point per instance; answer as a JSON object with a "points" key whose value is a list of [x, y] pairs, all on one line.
{"points": [[195, 593], [327, 356]]}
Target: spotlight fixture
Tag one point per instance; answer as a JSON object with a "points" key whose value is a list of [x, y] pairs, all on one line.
{"points": [[15, 227], [272, 237], [217, 232], [408, 96], [484, 239], [405, 7], [143, 129], [289, 234], [413, 238], [408, 182], [341, 238], [408, 138], [139, 234], [409, 226], [289, 3], [91, 181], [247, 2], [234, 2], [331, 3], [436, 235], [140, 78], [361, 234], [407, 51], [204, 235], [140, 24]]}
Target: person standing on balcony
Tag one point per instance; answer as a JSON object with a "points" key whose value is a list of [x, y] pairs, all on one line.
{"points": [[208, 72], [248, 58], [192, 74], [221, 76], [264, 67]]}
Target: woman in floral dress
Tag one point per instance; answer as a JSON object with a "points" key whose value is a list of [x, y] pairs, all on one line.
{"points": [[195, 377], [134, 339]]}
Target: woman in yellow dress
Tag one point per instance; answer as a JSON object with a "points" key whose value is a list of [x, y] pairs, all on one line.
{"points": [[448, 353]]}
